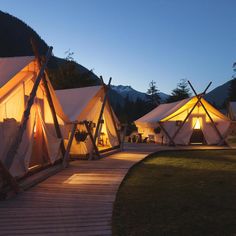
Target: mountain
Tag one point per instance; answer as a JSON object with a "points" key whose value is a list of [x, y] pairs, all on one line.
{"points": [[15, 37], [15, 41], [133, 95], [218, 96]]}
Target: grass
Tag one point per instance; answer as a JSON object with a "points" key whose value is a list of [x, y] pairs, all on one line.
{"points": [[179, 193]]}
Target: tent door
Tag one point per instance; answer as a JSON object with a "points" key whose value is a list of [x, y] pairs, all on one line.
{"points": [[39, 156], [197, 136]]}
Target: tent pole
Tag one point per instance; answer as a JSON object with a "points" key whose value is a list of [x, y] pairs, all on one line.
{"points": [[67, 153], [167, 134], [9, 178], [91, 137], [113, 120], [214, 125], [182, 124], [199, 100], [212, 121], [101, 112], [49, 97], [18, 138]]}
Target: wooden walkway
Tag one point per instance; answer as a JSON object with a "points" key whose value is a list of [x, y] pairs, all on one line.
{"points": [[75, 201]]}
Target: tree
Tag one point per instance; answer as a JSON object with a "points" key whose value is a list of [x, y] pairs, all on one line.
{"points": [[181, 92], [232, 88], [154, 93], [69, 55]]}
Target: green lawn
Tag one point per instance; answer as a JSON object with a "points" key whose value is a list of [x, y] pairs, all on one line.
{"points": [[179, 193]]}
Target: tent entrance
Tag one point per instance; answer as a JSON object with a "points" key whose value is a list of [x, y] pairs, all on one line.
{"points": [[103, 142], [39, 156], [197, 137]]}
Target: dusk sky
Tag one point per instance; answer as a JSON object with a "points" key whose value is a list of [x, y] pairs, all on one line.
{"points": [[135, 42]]}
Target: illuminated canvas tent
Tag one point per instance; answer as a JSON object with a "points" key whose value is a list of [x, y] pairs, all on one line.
{"points": [[86, 109], [40, 144], [192, 120], [232, 110]]}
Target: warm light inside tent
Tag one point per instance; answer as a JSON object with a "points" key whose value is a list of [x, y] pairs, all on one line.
{"points": [[35, 128], [197, 124]]}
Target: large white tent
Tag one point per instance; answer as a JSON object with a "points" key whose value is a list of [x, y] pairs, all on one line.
{"points": [[40, 144], [180, 122], [85, 104]]}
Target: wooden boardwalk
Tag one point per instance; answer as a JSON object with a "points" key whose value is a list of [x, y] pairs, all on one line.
{"points": [[75, 201]]}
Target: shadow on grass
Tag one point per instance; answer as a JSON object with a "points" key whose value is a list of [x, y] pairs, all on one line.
{"points": [[179, 193]]}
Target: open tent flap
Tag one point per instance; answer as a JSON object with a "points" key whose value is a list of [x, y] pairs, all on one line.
{"points": [[110, 127]]}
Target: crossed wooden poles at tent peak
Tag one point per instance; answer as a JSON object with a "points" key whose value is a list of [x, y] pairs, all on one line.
{"points": [[199, 97]]}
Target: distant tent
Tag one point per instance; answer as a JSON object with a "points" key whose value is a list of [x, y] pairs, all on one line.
{"points": [[232, 110], [85, 105], [184, 122], [40, 144]]}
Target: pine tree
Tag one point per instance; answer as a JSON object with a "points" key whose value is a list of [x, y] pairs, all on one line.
{"points": [[154, 93], [181, 92]]}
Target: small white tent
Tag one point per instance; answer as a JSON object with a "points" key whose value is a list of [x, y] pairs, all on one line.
{"points": [[85, 104], [40, 144], [184, 122]]}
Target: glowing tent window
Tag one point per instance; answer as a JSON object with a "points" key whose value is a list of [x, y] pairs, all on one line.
{"points": [[197, 124]]}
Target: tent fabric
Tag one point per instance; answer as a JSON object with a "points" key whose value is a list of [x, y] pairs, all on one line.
{"points": [[159, 113], [17, 76], [74, 101], [171, 114], [82, 104], [10, 66], [232, 110]]}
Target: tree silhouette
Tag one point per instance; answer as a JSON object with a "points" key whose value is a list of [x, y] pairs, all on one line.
{"points": [[154, 93], [182, 91]]}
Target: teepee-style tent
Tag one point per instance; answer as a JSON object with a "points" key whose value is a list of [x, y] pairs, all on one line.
{"points": [[189, 121], [93, 125], [30, 116]]}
